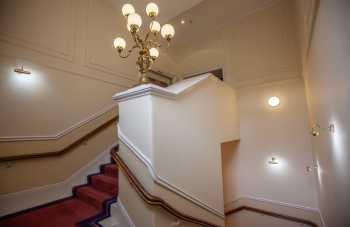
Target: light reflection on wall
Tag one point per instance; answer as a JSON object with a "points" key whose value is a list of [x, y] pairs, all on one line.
{"points": [[339, 148], [279, 168], [24, 83]]}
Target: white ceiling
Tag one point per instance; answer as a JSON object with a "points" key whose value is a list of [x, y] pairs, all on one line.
{"points": [[211, 16], [168, 9]]}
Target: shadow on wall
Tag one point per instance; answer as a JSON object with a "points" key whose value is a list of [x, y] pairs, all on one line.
{"points": [[228, 150]]}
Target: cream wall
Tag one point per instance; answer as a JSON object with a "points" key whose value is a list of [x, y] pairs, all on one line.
{"points": [[259, 46], [70, 55], [33, 173], [282, 133], [189, 130], [68, 47], [327, 81]]}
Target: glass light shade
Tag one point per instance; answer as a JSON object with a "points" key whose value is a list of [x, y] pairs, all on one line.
{"points": [[152, 9], [168, 31], [134, 20], [154, 26], [154, 53], [119, 43], [127, 9], [274, 101]]}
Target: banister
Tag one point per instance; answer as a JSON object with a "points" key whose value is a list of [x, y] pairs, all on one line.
{"points": [[271, 214], [65, 149], [151, 199]]}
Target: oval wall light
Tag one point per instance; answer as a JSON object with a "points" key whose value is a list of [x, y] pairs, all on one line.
{"points": [[274, 101]]}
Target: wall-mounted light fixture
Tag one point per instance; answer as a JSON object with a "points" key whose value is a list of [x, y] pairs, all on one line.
{"points": [[183, 21], [22, 71], [316, 129], [273, 161], [311, 168], [274, 101]]}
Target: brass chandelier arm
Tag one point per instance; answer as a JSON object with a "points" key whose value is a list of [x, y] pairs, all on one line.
{"points": [[147, 43], [128, 52]]}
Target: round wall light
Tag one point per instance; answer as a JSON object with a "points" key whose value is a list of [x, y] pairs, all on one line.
{"points": [[274, 101]]}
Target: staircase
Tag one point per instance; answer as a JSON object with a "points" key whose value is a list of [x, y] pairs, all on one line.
{"points": [[89, 204]]}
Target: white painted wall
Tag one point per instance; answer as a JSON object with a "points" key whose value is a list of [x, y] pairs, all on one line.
{"points": [[328, 84], [135, 121], [179, 130], [188, 132], [283, 133]]}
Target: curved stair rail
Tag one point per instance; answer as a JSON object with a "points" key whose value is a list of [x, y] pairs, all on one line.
{"points": [[271, 214], [151, 199], [65, 149]]}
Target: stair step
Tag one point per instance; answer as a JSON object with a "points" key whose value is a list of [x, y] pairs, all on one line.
{"points": [[105, 183], [110, 170], [92, 196]]}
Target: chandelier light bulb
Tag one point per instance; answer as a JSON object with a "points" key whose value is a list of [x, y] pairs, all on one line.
{"points": [[154, 26], [119, 43], [168, 31], [152, 9], [154, 53], [127, 9], [134, 22]]}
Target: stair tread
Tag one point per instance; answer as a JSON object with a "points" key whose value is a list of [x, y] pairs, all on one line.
{"points": [[94, 192], [105, 183], [110, 170], [92, 196], [105, 178]]}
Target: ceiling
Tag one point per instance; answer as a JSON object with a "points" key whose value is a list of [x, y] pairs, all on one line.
{"points": [[203, 17], [211, 16], [168, 9]]}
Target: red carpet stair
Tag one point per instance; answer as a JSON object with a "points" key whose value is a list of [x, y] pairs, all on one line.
{"points": [[89, 204]]}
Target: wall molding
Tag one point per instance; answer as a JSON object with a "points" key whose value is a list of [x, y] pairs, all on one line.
{"points": [[311, 16], [154, 200], [301, 212], [170, 92], [60, 134], [275, 202], [37, 47], [79, 73], [17, 201], [162, 181], [88, 63]]}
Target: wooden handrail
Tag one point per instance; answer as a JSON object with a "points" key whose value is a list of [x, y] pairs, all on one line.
{"points": [[151, 199], [62, 151], [272, 214]]}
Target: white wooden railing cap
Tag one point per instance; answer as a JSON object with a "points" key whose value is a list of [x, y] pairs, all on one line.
{"points": [[169, 92]]}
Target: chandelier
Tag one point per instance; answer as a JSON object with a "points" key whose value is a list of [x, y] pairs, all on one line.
{"points": [[148, 45]]}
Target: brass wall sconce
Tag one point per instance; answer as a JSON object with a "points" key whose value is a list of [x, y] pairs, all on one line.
{"points": [[316, 129], [311, 168], [21, 71], [273, 161]]}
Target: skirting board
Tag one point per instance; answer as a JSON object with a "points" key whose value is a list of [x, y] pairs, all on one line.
{"points": [[125, 213], [17, 201], [163, 182]]}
